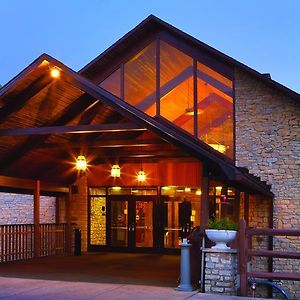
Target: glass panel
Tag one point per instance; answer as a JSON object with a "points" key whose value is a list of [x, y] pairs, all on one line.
{"points": [[140, 80], [176, 87], [182, 213], [215, 110], [222, 203], [144, 224], [113, 83], [98, 221], [96, 191], [119, 223], [132, 191]]}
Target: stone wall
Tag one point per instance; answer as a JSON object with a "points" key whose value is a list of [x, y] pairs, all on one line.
{"points": [[268, 144], [220, 272], [18, 209]]}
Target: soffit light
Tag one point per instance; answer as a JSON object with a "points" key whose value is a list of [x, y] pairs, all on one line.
{"points": [[81, 164], [141, 176], [55, 73], [115, 171]]}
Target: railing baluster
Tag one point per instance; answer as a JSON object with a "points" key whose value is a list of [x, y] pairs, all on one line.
{"points": [[17, 241]]}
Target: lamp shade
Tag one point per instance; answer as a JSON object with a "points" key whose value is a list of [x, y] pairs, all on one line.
{"points": [[115, 171], [81, 164], [141, 176]]}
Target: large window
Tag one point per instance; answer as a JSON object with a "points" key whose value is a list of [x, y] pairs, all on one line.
{"points": [[214, 110], [176, 87], [140, 80], [113, 83], [184, 81]]}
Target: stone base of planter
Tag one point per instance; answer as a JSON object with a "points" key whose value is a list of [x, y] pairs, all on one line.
{"points": [[220, 275]]}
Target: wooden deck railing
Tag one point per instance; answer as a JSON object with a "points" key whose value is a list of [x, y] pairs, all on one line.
{"points": [[245, 252], [17, 241]]}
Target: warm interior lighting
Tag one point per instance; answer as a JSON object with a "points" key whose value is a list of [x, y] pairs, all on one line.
{"points": [[141, 176], [115, 171], [116, 188], [190, 111], [166, 188], [219, 147], [55, 72], [81, 164], [198, 192], [187, 189]]}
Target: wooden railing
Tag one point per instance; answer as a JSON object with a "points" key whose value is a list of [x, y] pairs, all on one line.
{"points": [[17, 241], [245, 252]]}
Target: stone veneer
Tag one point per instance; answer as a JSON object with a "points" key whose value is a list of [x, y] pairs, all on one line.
{"points": [[268, 144], [79, 209], [18, 209], [220, 272]]}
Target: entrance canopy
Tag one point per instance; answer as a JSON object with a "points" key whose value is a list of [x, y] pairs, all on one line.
{"points": [[50, 114]]}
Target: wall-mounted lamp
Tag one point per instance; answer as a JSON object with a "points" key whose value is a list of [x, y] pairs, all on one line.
{"points": [[141, 176], [81, 164], [115, 171]]}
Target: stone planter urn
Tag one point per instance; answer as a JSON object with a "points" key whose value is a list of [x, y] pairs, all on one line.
{"points": [[221, 237]]}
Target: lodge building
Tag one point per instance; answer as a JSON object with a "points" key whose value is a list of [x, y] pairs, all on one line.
{"points": [[173, 132]]}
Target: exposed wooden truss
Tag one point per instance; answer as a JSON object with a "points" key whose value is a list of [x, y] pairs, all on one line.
{"points": [[115, 127]]}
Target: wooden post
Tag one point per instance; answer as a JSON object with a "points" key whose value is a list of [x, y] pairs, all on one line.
{"points": [[242, 252], [204, 198], [36, 218], [68, 221], [246, 208]]}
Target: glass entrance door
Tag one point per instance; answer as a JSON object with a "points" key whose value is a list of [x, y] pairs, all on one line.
{"points": [[130, 221], [144, 224], [119, 223]]}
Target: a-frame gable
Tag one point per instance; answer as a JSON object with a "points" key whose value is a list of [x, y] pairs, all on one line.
{"points": [[140, 120]]}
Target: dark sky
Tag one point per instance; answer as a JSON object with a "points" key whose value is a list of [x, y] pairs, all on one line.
{"points": [[263, 34]]}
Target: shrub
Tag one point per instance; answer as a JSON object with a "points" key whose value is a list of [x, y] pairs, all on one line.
{"points": [[222, 224]]}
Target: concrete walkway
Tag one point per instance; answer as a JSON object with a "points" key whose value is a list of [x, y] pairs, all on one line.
{"points": [[96, 276], [34, 289]]}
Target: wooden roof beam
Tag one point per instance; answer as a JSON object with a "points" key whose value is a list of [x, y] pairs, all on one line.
{"points": [[28, 184], [105, 144], [115, 127]]}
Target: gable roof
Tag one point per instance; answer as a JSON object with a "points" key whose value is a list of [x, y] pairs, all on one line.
{"points": [[152, 25], [81, 91]]}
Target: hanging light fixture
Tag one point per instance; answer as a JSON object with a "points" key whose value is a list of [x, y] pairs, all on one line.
{"points": [[189, 110], [141, 176], [115, 171], [81, 164]]}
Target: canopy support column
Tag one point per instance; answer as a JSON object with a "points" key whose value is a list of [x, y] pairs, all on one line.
{"points": [[68, 221], [36, 218], [204, 198]]}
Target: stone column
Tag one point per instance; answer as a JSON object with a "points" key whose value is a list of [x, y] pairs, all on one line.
{"points": [[220, 274]]}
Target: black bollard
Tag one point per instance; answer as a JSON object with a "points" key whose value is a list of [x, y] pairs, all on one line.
{"points": [[77, 242]]}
